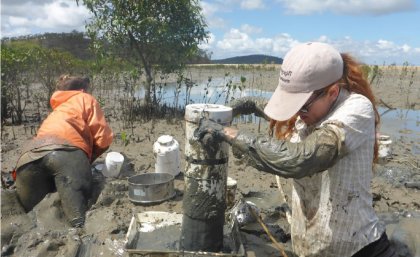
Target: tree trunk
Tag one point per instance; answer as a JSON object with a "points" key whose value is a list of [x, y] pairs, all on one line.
{"points": [[147, 69], [19, 111], [4, 104], [148, 86]]}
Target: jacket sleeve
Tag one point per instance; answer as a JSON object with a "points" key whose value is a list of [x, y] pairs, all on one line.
{"points": [[319, 151], [101, 132]]}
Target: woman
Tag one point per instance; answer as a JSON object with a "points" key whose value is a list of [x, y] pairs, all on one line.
{"points": [[325, 121], [59, 157]]}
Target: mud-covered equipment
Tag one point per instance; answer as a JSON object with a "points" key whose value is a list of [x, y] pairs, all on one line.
{"points": [[209, 132], [204, 200]]}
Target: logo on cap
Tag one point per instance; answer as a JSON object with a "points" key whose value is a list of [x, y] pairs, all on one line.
{"points": [[285, 75]]}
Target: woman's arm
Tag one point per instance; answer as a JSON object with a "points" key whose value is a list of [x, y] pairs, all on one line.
{"points": [[101, 132], [319, 151]]}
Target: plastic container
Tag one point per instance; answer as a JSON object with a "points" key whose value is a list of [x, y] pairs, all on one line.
{"points": [[385, 147], [167, 155], [99, 167], [231, 186], [151, 225], [113, 164]]}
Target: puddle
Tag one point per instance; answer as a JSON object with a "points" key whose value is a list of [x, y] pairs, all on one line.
{"points": [[215, 92], [395, 217], [402, 124], [265, 200]]}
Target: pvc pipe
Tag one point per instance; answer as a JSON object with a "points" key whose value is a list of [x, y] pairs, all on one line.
{"points": [[204, 202]]}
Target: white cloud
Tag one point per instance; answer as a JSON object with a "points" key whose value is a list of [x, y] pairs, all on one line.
{"points": [[264, 44], [23, 17], [209, 10], [208, 45], [235, 40], [15, 32], [34, 17], [213, 10], [323, 38], [212, 38], [63, 14], [251, 29], [237, 43], [212, 7], [406, 48], [350, 7], [283, 43], [377, 52], [21, 10], [385, 45], [20, 2], [17, 21], [252, 4]]}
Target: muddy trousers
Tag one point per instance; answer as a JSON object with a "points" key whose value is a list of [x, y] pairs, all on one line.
{"points": [[66, 171], [380, 248]]}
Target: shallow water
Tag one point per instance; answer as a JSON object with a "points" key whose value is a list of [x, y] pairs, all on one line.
{"points": [[397, 123], [265, 200], [402, 124], [217, 91]]}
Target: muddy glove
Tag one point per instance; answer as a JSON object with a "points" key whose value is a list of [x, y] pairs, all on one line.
{"points": [[209, 131], [249, 105]]}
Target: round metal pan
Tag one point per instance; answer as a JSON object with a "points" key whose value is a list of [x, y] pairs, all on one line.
{"points": [[151, 187]]}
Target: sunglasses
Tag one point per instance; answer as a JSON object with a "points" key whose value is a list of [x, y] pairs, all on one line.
{"points": [[315, 96]]}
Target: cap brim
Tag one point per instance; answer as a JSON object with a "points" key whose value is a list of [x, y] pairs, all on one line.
{"points": [[283, 105]]}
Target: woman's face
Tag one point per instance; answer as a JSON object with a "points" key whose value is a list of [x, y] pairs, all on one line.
{"points": [[318, 105]]}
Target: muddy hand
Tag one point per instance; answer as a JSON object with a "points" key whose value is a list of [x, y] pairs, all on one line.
{"points": [[209, 131], [249, 105]]}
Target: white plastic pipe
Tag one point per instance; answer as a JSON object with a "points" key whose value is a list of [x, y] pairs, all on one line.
{"points": [[204, 202]]}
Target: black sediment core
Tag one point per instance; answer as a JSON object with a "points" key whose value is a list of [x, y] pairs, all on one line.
{"points": [[202, 235]]}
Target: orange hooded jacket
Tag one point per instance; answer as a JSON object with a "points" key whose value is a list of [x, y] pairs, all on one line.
{"points": [[77, 119]]}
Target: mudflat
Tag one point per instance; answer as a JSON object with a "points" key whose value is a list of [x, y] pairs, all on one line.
{"points": [[45, 232]]}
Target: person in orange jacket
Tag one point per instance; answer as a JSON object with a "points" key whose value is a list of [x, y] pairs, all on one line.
{"points": [[59, 158]]}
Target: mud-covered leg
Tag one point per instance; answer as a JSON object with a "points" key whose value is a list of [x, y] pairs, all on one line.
{"points": [[73, 180], [33, 183]]}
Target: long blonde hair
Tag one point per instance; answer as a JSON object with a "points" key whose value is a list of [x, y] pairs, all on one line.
{"points": [[352, 80]]}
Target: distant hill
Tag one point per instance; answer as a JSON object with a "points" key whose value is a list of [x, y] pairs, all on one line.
{"points": [[250, 59], [75, 42], [78, 44]]}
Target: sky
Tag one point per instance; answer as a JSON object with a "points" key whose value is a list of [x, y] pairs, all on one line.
{"points": [[373, 31]]}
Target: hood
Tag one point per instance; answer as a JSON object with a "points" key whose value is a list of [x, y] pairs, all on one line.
{"points": [[60, 97]]}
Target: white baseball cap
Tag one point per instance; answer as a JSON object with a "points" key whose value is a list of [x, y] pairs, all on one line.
{"points": [[306, 67]]}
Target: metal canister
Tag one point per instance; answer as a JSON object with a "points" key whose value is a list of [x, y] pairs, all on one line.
{"points": [[204, 201]]}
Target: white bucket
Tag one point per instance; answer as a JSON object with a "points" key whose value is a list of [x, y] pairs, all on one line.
{"points": [[167, 155], [113, 163]]}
